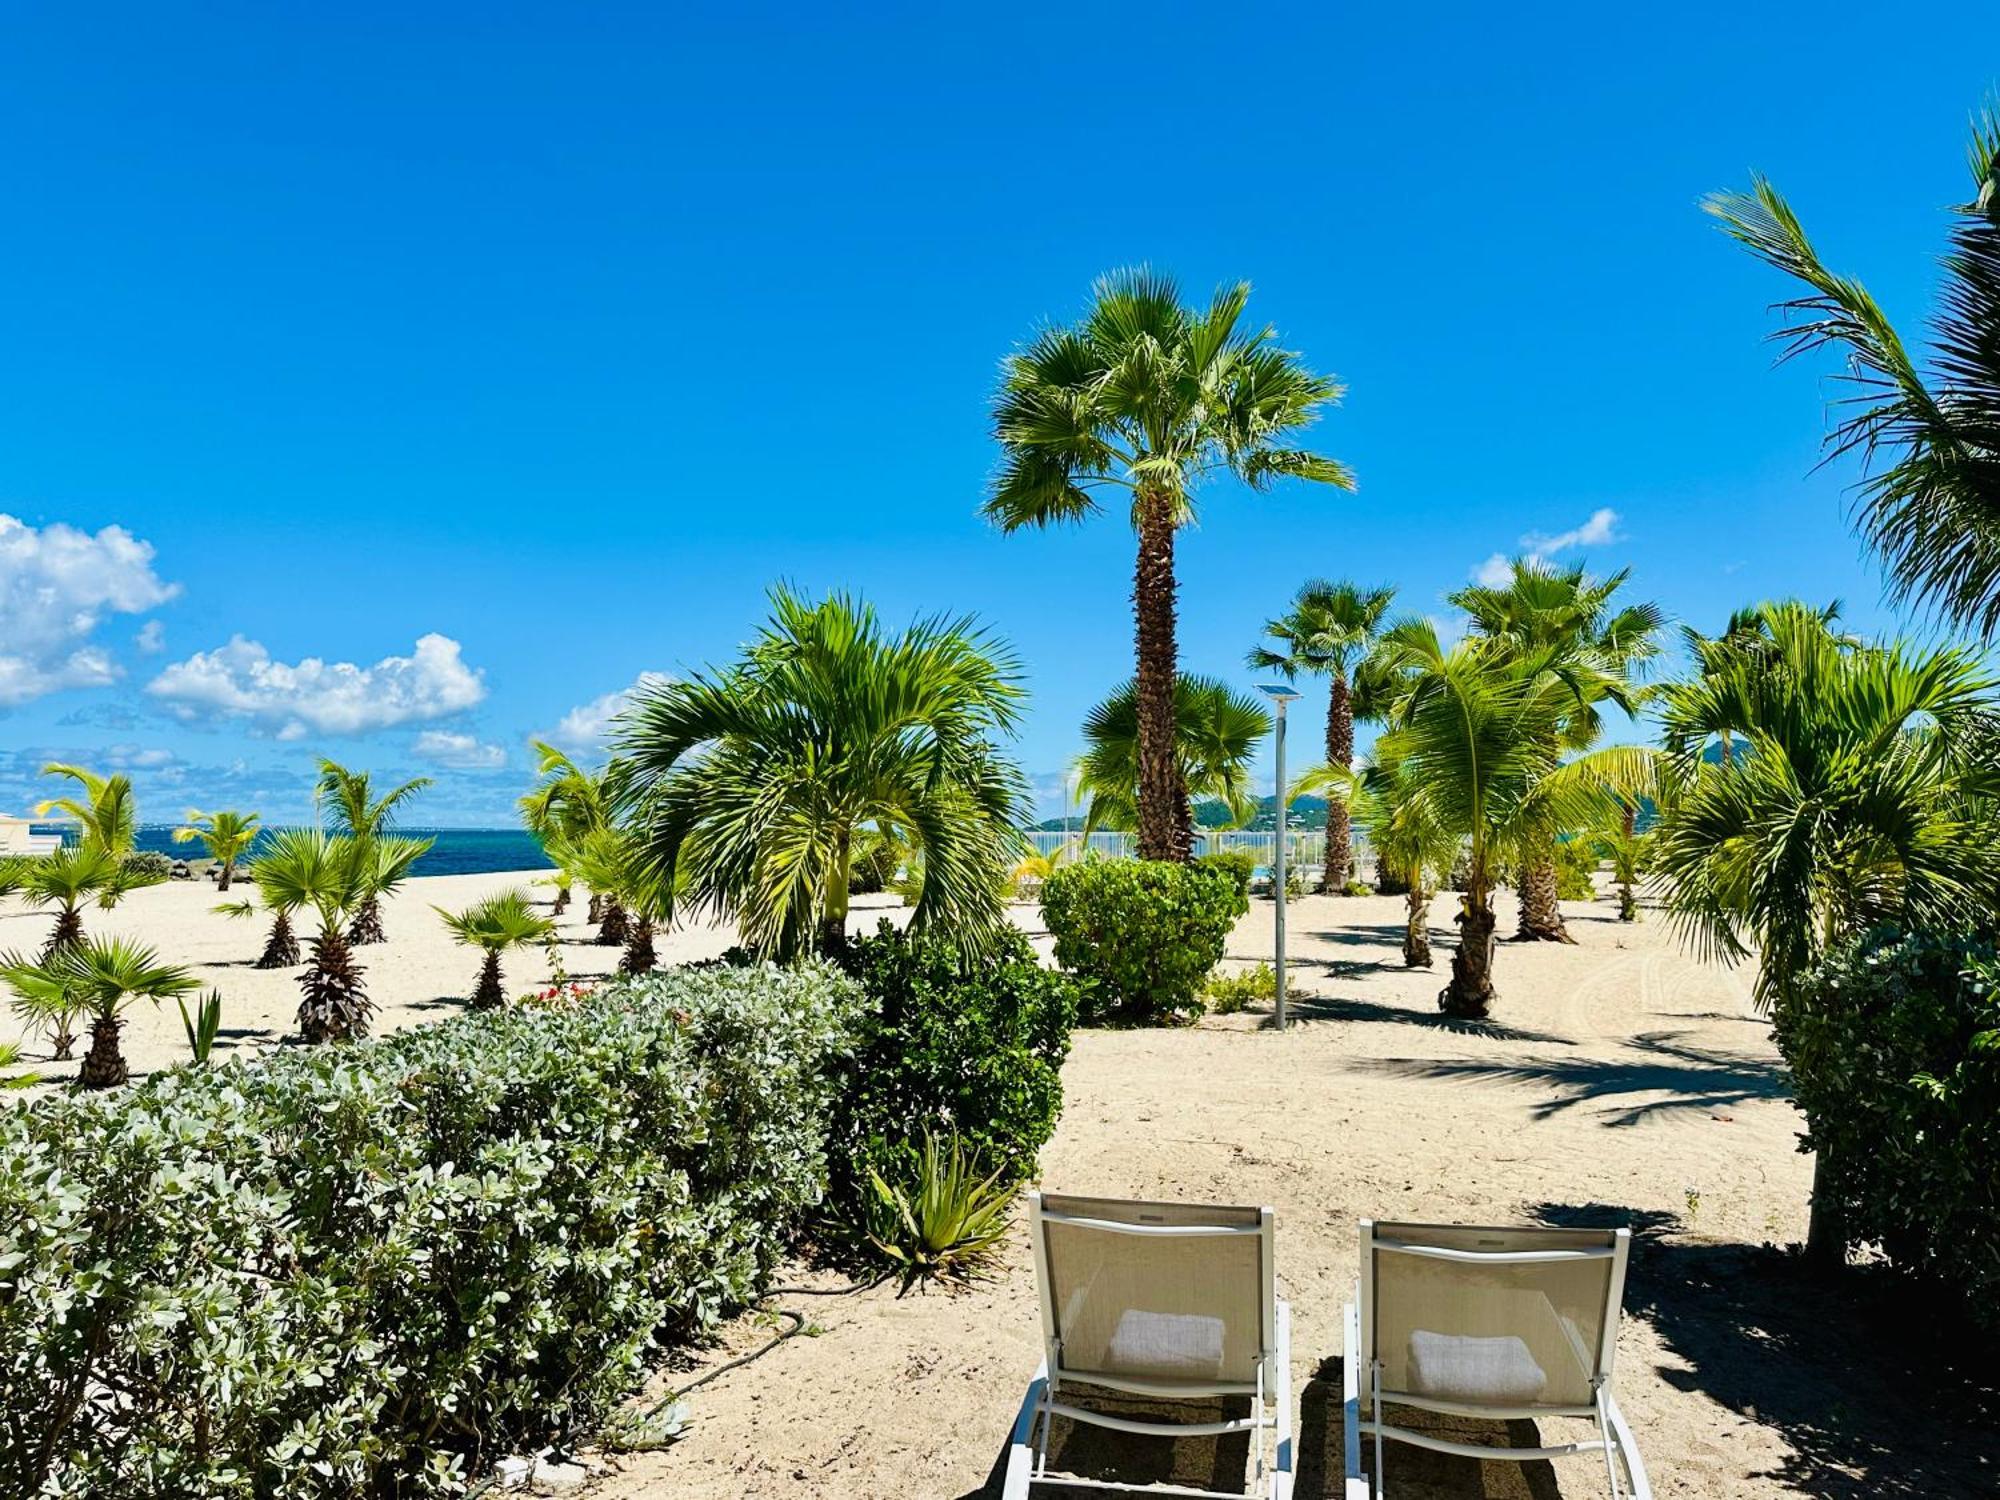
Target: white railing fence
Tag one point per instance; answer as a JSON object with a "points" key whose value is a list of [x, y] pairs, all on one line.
{"points": [[1304, 848]]}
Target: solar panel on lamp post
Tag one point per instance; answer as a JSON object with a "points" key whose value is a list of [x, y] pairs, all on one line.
{"points": [[1281, 696]]}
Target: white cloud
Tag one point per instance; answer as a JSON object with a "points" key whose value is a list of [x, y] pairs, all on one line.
{"points": [[458, 752], [152, 638], [586, 726], [1601, 527], [56, 585], [314, 696]]}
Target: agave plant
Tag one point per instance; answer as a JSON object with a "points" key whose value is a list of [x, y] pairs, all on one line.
{"points": [[499, 922], [945, 1221], [226, 835], [102, 976]]}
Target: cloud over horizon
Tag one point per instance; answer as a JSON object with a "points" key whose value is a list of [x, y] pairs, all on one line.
{"points": [[291, 700]]}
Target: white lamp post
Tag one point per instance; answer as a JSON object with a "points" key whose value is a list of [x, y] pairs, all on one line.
{"points": [[1280, 696]]}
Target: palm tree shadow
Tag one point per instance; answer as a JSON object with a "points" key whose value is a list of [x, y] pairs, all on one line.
{"points": [[1691, 1077], [1874, 1388], [1343, 1008]]}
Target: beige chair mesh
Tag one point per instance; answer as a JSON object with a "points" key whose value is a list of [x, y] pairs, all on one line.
{"points": [[1156, 1307], [1496, 1335]]}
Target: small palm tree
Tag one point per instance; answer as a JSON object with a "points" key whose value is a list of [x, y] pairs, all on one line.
{"points": [[1217, 732], [226, 835], [566, 806], [1148, 397], [1933, 508], [745, 791], [1412, 843], [105, 812], [1865, 797], [348, 801], [1330, 631], [328, 874], [495, 925], [43, 1002], [72, 876], [610, 863], [100, 977], [1626, 845], [385, 864]]}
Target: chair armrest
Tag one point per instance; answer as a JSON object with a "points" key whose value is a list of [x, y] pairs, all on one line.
{"points": [[1285, 1462], [1021, 1444], [1355, 1486]]}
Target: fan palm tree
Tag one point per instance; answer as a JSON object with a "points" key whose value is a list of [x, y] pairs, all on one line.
{"points": [[1411, 842], [1928, 441], [498, 923], [351, 807], [1481, 728], [1330, 631], [611, 862], [1150, 397], [105, 813], [226, 835], [72, 876], [1597, 652], [281, 944], [1216, 734], [1625, 844], [745, 791], [99, 977], [1866, 796], [329, 874]]}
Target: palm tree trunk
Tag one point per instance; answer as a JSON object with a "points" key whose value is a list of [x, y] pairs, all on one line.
{"points": [[222, 881], [104, 1065], [68, 932], [595, 912], [639, 957], [831, 938], [1470, 993], [336, 1007], [1339, 752], [487, 994], [1628, 903], [62, 1041], [367, 926], [281, 949], [1165, 823], [562, 901], [613, 927], [1541, 907], [1416, 930]]}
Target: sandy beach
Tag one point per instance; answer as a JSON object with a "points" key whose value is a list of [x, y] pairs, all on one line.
{"points": [[1620, 1082]]}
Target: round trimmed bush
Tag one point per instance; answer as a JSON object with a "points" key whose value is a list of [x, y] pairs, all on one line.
{"points": [[1147, 932]]}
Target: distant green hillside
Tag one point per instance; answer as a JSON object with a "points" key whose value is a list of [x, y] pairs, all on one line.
{"points": [[1307, 812]]}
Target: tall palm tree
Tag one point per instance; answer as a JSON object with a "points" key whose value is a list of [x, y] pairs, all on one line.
{"points": [[1217, 731], [1597, 651], [105, 813], [100, 977], [1481, 729], [226, 835], [1928, 440], [1866, 795], [1150, 397], [745, 790], [330, 874], [1330, 631], [499, 922], [349, 804]]}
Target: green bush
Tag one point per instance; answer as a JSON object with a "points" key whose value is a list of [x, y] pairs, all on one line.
{"points": [[1241, 867], [1146, 932], [372, 1269], [1895, 1061], [975, 1048], [148, 863], [1576, 862], [1229, 993]]}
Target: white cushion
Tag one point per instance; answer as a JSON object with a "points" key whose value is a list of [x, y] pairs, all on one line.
{"points": [[1491, 1371]]}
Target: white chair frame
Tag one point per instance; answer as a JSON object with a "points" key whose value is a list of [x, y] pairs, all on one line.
{"points": [[1270, 1392], [1613, 1440]]}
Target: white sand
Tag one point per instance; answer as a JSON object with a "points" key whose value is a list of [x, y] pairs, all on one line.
{"points": [[1621, 1080]]}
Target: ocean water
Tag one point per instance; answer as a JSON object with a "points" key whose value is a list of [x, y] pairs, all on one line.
{"points": [[457, 851]]}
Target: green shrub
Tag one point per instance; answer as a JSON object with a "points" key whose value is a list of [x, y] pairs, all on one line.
{"points": [[976, 1048], [1240, 865], [1146, 932], [1576, 862], [1895, 1061], [1229, 993], [372, 1269], [1357, 888], [149, 864]]}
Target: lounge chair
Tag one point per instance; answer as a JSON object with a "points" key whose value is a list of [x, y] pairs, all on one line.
{"points": [[1161, 1300], [1500, 1323]]}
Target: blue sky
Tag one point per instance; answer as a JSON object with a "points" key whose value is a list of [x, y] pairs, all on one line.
{"points": [[443, 369]]}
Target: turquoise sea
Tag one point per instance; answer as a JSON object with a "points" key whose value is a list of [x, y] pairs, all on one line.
{"points": [[457, 851]]}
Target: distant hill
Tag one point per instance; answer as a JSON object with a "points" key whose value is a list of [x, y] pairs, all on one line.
{"points": [[1307, 812]]}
